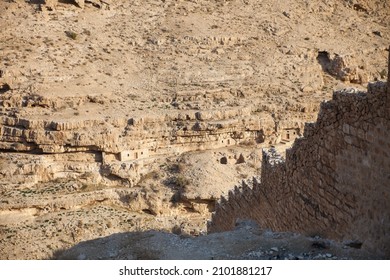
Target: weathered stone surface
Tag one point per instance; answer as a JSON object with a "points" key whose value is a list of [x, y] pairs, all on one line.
{"points": [[334, 185], [244, 244], [103, 102]]}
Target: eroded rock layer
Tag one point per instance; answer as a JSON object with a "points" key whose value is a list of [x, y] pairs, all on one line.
{"points": [[126, 115]]}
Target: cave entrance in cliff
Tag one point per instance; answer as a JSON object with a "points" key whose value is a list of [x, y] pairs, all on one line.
{"points": [[36, 2], [223, 160], [4, 88], [259, 137], [324, 60], [70, 2]]}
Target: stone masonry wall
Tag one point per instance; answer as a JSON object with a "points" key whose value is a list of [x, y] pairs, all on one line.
{"points": [[335, 180]]}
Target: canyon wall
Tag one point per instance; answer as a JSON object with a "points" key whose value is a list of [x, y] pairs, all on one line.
{"points": [[123, 147], [334, 182]]}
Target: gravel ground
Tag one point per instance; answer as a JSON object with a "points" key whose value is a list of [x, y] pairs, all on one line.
{"points": [[246, 242]]}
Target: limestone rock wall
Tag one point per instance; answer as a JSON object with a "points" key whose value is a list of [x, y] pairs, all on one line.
{"points": [[335, 181], [117, 135], [130, 142]]}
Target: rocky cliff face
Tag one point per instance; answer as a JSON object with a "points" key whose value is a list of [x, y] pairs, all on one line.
{"points": [[334, 181], [139, 114]]}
